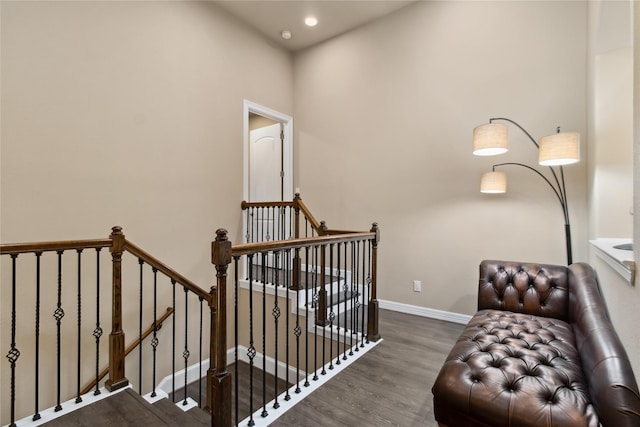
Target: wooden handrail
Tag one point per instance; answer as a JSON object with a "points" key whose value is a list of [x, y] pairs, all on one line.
{"points": [[275, 245], [20, 248], [246, 205], [172, 274], [307, 213], [131, 347]]}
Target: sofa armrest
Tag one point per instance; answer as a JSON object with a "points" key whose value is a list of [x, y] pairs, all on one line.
{"points": [[538, 289], [605, 363]]}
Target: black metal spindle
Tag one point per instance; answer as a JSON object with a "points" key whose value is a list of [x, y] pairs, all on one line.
{"points": [[248, 216], [78, 398], [345, 287], [14, 353], [200, 299], [323, 257], [287, 396], [262, 239], [58, 315], [36, 415], [297, 331], [235, 336], [140, 299], [173, 343], [264, 333], [364, 292], [338, 294], [276, 316], [154, 340], [332, 315], [251, 351], [268, 236], [97, 332], [186, 353], [306, 317], [357, 296], [315, 304], [368, 288], [354, 281]]}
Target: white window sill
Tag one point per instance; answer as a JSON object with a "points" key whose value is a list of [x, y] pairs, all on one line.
{"points": [[619, 259]]}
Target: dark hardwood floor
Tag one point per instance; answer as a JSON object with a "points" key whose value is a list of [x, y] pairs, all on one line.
{"points": [[388, 386]]}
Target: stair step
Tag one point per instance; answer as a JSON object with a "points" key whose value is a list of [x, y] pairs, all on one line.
{"points": [[128, 409], [193, 417]]}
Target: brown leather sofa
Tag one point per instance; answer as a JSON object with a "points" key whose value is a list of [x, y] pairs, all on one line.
{"points": [[540, 351]]}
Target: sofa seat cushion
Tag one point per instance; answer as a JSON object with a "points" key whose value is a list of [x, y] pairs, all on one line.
{"points": [[513, 369]]}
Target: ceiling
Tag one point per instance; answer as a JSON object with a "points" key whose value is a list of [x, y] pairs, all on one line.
{"points": [[335, 17]]}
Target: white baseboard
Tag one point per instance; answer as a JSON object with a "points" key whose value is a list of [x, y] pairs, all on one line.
{"points": [[431, 313]]}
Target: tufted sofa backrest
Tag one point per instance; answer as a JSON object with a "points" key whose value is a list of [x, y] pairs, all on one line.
{"points": [[537, 289]]}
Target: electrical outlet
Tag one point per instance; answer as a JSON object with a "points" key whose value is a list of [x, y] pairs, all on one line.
{"points": [[417, 286]]}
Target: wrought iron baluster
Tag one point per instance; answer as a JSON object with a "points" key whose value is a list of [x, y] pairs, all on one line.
{"points": [[249, 217], [264, 333], [268, 237], [276, 316], [323, 306], [364, 291], [332, 315], [354, 281], [78, 398], [306, 317], [315, 305], [154, 340], [345, 288], [58, 315], [200, 299], [356, 296], [36, 415], [338, 293], [369, 280], [235, 335], [262, 223], [97, 332], [173, 343], [291, 222], [297, 331], [14, 353], [251, 351], [141, 264], [186, 353]]}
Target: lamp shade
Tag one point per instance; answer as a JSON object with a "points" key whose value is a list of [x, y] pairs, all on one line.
{"points": [[490, 139], [493, 182], [559, 149]]}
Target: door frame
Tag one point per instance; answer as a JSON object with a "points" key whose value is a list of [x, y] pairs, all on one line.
{"points": [[287, 146]]}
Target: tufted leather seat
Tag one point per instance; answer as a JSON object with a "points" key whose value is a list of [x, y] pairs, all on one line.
{"points": [[522, 359]]}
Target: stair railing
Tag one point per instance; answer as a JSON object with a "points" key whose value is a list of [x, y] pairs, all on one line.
{"points": [[337, 288], [284, 220], [58, 267]]}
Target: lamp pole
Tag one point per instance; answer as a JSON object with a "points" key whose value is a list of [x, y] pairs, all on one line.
{"points": [[559, 188], [562, 198]]}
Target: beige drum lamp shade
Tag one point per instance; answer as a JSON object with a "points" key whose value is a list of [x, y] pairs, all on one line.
{"points": [[490, 139], [493, 182], [559, 149]]}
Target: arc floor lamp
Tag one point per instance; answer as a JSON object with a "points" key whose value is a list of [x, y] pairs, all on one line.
{"points": [[554, 151]]}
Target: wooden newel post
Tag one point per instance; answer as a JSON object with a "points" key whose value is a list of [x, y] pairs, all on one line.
{"points": [[218, 377], [372, 325], [116, 378]]}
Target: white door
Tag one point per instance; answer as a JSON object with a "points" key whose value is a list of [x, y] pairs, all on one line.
{"points": [[265, 164]]}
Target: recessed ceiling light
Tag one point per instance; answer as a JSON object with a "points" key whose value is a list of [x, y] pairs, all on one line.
{"points": [[285, 34], [311, 21]]}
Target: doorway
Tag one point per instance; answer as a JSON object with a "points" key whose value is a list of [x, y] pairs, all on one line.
{"points": [[268, 154]]}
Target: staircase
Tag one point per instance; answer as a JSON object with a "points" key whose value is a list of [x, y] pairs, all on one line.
{"points": [[128, 408]]}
